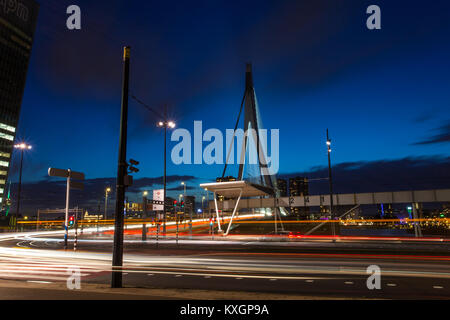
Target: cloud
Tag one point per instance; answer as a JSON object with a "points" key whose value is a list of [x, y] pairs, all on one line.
{"points": [[181, 188], [51, 193], [411, 173], [442, 137]]}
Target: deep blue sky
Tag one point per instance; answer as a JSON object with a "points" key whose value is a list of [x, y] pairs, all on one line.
{"points": [[383, 94]]}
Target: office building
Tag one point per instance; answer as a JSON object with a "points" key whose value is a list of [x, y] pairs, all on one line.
{"points": [[282, 187], [17, 25], [298, 186]]}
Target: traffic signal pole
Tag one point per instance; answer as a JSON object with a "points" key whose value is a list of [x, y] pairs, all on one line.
{"points": [[117, 262], [333, 230]]}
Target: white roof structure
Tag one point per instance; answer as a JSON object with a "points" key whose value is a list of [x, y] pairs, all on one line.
{"points": [[233, 189]]}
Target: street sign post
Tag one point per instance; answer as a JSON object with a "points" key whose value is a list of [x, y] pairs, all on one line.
{"points": [[68, 174], [158, 195]]}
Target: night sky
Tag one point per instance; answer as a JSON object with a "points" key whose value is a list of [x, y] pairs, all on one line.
{"points": [[383, 94]]}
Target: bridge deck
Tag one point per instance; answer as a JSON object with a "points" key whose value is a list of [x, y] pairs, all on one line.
{"points": [[419, 196]]}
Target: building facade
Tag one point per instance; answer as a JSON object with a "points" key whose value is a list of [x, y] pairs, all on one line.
{"points": [[282, 187], [17, 25], [298, 186]]}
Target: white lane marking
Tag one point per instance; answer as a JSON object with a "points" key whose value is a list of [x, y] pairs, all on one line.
{"points": [[238, 278], [150, 274], [391, 285], [178, 275], [12, 272], [310, 281], [28, 276], [273, 279], [234, 276], [36, 281], [348, 282], [438, 287]]}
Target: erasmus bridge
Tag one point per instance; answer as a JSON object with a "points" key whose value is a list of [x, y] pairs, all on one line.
{"points": [[256, 187]]}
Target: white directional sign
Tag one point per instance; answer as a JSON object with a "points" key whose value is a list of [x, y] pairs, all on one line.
{"points": [[69, 175], [64, 173], [158, 195]]}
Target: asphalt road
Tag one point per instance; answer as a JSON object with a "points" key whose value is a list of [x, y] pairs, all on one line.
{"points": [[293, 269]]}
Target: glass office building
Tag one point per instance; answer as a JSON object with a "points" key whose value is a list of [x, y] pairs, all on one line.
{"points": [[17, 26]]}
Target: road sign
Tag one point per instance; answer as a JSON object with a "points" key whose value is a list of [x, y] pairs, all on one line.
{"points": [[159, 196], [63, 173], [160, 202], [69, 174]]}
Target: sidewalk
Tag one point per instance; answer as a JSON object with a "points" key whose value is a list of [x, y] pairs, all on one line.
{"points": [[20, 290]]}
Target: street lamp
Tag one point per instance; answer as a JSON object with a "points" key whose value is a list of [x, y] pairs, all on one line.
{"points": [[203, 208], [190, 209], [144, 215], [108, 190], [331, 184], [22, 146], [165, 124]]}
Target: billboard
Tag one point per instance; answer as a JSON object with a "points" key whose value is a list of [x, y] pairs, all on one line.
{"points": [[158, 194]]}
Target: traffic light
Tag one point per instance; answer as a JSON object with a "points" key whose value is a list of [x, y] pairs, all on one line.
{"points": [[174, 203], [182, 204], [71, 221], [133, 163]]}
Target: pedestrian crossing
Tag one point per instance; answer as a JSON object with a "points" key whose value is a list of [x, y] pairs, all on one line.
{"points": [[14, 269]]}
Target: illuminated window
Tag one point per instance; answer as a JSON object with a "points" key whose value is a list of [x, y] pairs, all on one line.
{"points": [[6, 127], [4, 154], [2, 181], [6, 136], [4, 163], [3, 173], [1, 190]]}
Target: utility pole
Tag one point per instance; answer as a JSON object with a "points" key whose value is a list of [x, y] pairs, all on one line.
{"points": [[20, 187], [144, 216], [117, 262], [20, 146], [331, 185], [164, 182]]}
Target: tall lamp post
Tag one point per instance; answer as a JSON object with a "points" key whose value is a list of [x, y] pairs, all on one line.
{"points": [[203, 208], [144, 215], [331, 185], [165, 124], [107, 190], [180, 199], [22, 146], [117, 259], [190, 209]]}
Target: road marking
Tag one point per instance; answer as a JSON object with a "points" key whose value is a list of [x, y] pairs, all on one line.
{"points": [[273, 279], [348, 282], [150, 274], [391, 285], [36, 281], [178, 275], [438, 287], [310, 281], [238, 278]]}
